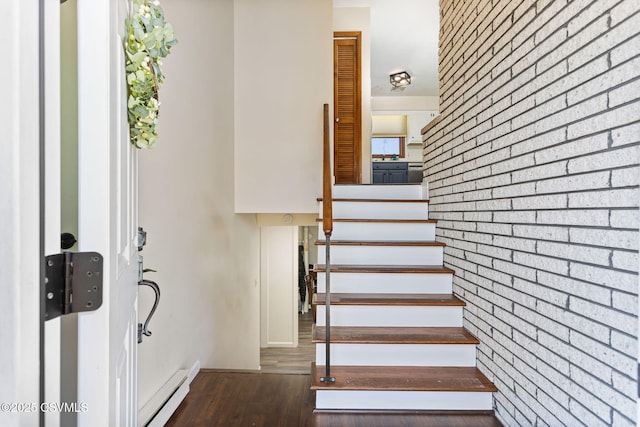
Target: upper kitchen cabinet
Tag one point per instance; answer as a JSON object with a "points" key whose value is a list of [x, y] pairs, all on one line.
{"points": [[416, 120]]}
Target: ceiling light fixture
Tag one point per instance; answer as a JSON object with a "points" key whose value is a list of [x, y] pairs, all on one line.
{"points": [[400, 80]]}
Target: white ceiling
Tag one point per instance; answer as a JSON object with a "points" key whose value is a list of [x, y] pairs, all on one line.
{"points": [[404, 37]]}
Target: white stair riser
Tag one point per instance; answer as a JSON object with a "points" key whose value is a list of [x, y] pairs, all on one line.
{"points": [[379, 315], [383, 255], [387, 283], [378, 231], [379, 210], [418, 400], [398, 354], [412, 192]]}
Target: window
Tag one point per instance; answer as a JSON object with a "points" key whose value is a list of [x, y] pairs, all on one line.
{"points": [[387, 146]]}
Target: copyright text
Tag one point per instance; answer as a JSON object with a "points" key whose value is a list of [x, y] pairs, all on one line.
{"points": [[58, 407]]}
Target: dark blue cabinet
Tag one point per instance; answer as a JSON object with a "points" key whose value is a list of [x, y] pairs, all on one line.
{"points": [[390, 172]]}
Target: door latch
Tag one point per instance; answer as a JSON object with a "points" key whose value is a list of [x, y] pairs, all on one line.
{"points": [[73, 283], [143, 328]]}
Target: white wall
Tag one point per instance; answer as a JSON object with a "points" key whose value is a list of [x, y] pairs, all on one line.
{"points": [[206, 255], [359, 19], [283, 68], [404, 103]]}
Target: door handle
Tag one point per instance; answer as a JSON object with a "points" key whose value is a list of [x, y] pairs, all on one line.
{"points": [[337, 119], [143, 329]]}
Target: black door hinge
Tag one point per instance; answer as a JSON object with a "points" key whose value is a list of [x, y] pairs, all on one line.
{"points": [[73, 283]]}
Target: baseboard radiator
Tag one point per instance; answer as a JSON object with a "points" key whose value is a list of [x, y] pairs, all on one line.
{"points": [[157, 411]]}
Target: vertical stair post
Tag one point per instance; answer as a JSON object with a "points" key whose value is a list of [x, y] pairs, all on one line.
{"points": [[327, 227]]}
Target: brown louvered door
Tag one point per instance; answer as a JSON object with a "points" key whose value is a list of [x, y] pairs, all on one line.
{"points": [[347, 149]]}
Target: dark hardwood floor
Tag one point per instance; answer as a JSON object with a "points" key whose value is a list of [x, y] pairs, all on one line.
{"points": [[280, 395], [232, 399]]}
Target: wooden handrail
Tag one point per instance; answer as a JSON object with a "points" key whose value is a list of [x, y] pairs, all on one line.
{"points": [[327, 205], [327, 227]]}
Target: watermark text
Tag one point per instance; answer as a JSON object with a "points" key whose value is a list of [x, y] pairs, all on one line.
{"points": [[58, 407]]}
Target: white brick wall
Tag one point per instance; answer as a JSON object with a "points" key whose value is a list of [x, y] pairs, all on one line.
{"points": [[533, 175]]}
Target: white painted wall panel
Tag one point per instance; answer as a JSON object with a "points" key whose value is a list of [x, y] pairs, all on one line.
{"points": [[283, 68]]}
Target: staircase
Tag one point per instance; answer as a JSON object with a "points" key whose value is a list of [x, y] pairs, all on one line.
{"points": [[397, 341]]}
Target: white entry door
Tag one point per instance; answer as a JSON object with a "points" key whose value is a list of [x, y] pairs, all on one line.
{"points": [[107, 394], [107, 218]]}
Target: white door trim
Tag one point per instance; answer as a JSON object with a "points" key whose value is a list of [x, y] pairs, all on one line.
{"points": [[93, 111], [52, 328], [20, 211]]}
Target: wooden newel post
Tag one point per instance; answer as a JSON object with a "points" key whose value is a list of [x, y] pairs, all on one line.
{"points": [[327, 208], [327, 227]]}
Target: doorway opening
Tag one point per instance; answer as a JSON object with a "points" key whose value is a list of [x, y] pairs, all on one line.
{"points": [[287, 257]]}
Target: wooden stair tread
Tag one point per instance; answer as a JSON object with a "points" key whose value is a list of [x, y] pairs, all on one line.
{"points": [[344, 268], [403, 378], [319, 199], [381, 243], [382, 220], [370, 184], [389, 299], [394, 335]]}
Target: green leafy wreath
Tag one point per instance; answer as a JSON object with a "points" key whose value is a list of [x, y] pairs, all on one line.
{"points": [[149, 38]]}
